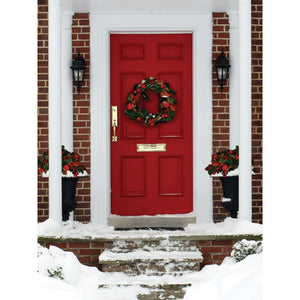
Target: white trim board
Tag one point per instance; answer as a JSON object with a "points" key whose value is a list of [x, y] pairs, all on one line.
{"points": [[200, 25]]}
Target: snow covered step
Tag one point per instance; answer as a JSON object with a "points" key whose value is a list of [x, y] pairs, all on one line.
{"points": [[153, 245], [165, 291], [149, 260], [139, 254], [160, 291]]}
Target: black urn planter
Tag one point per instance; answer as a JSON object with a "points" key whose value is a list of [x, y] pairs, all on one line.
{"points": [[68, 196], [230, 200]]}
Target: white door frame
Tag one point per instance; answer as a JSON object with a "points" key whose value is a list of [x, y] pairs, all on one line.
{"points": [[102, 24]]}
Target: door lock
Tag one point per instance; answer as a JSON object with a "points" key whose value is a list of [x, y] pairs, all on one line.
{"points": [[114, 122]]}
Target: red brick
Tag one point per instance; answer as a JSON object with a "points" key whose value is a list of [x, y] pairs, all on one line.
{"points": [[218, 257], [84, 259], [223, 243], [89, 252], [211, 249], [79, 245], [98, 245]]}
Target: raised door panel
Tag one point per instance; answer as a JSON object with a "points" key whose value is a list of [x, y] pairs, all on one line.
{"points": [[132, 176], [129, 130]]}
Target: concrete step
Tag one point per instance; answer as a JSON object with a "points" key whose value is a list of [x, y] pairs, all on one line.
{"points": [[151, 263], [151, 257], [161, 291], [153, 245]]}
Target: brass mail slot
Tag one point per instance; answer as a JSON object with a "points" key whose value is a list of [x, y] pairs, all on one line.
{"points": [[151, 147]]}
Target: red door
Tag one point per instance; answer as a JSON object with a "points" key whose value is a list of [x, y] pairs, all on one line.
{"points": [[160, 182]]}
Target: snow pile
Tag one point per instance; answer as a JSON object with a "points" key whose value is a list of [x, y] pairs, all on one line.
{"points": [[230, 281], [235, 172], [62, 277], [54, 262], [229, 226], [74, 281], [73, 229], [69, 174]]}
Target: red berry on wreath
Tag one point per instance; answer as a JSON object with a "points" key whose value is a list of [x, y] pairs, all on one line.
{"points": [[165, 104], [129, 106]]}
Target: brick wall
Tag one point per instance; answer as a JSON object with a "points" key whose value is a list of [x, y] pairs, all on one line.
{"points": [[81, 117], [214, 252], [81, 104], [220, 106], [42, 76], [257, 99]]}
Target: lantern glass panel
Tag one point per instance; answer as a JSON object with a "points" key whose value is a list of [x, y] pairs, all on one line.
{"points": [[219, 73], [75, 74], [224, 73], [78, 75]]}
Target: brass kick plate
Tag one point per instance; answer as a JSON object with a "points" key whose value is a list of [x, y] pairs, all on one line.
{"points": [[151, 147]]}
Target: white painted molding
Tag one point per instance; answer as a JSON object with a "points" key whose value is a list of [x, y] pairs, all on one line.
{"points": [[55, 202], [101, 26], [202, 120], [245, 180], [234, 109], [156, 7], [67, 80]]}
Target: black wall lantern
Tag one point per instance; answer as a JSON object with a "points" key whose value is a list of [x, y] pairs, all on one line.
{"points": [[222, 68], [78, 68]]}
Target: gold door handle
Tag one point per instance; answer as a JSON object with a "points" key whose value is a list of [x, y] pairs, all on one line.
{"points": [[114, 122]]}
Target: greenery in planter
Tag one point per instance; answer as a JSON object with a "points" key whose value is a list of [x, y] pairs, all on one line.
{"points": [[243, 248], [223, 162], [70, 163]]}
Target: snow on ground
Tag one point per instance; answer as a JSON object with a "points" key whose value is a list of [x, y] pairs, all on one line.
{"points": [[73, 229], [230, 280], [81, 282]]}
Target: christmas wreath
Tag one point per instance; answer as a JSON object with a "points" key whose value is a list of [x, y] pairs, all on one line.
{"points": [[167, 105]]}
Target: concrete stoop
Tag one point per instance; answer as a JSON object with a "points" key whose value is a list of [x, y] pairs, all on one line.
{"points": [[152, 257]]}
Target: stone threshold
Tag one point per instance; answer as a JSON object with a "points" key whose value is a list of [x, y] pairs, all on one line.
{"points": [[153, 222]]}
